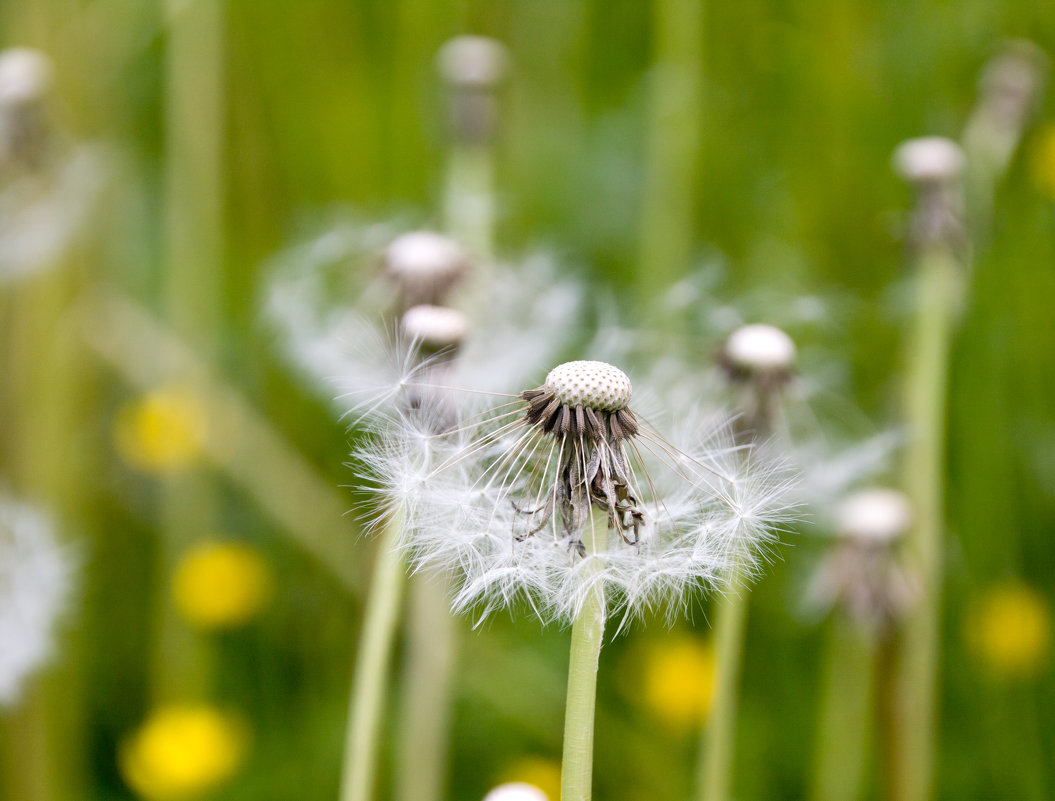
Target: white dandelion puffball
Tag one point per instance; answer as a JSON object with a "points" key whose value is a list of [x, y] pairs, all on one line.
{"points": [[929, 159], [760, 348], [473, 61], [435, 326], [874, 516], [35, 583], [516, 791], [25, 76], [504, 500]]}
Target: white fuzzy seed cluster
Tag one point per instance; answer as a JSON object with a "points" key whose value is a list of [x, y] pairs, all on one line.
{"points": [[435, 326], [593, 385], [424, 255], [516, 791], [874, 516], [473, 61], [929, 159], [760, 348], [25, 75]]}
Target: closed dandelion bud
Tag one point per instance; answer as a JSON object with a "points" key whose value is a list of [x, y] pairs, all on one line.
{"points": [[861, 575], [424, 266], [25, 82], [473, 67], [760, 359], [934, 165]]}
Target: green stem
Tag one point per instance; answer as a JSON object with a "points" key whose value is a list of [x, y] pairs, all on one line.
{"points": [[718, 751], [927, 387], [843, 733], [674, 144], [430, 651], [468, 203], [587, 636], [372, 662]]}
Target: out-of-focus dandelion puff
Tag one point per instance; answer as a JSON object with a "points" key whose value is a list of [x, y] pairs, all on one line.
{"points": [[182, 751], [504, 499], [1008, 630], [425, 266], [221, 585], [162, 431], [929, 160], [516, 791], [675, 680], [537, 772], [1044, 161], [36, 577], [25, 83], [861, 574]]}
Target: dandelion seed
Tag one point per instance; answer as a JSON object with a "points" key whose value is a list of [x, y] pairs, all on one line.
{"points": [[505, 498], [35, 584]]}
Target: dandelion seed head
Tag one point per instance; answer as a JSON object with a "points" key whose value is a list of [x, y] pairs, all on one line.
{"points": [[435, 327], [874, 516], [424, 256], [516, 791], [477, 61], [35, 584], [929, 160], [25, 76], [594, 385], [760, 348]]}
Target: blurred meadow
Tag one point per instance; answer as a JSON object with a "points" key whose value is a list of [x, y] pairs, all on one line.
{"points": [[214, 575]]}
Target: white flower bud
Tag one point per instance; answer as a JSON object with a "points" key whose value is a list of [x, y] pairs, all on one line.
{"points": [[435, 326], [874, 516], [760, 348], [929, 160]]}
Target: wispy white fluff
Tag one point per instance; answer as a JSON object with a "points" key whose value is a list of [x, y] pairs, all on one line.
{"points": [[710, 511], [35, 584]]}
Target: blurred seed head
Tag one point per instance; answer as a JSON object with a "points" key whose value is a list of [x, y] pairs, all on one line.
{"points": [[516, 791], [424, 266], [183, 751], [25, 76], [536, 771], [934, 165], [758, 359], [473, 67], [760, 349], [36, 578], [25, 83], [874, 517], [929, 160], [435, 327]]}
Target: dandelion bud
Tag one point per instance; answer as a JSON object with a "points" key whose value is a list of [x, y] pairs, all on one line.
{"points": [[435, 327], [25, 80], [424, 265], [516, 791], [929, 160], [473, 66], [874, 517]]}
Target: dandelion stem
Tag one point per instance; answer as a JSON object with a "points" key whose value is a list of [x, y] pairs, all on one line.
{"points": [[842, 738], [587, 636], [468, 202], [370, 675], [716, 756], [927, 381]]}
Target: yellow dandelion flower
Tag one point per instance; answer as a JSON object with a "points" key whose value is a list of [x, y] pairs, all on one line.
{"points": [[1009, 630], [1044, 161], [538, 772], [181, 751], [161, 432], [220, 585], [676, 680]]}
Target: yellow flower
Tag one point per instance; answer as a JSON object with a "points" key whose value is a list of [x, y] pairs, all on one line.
{"points": [[161, 432], [181, 751], [1044, 161], [676, 680], [220, 585], [1009, 630], [536, 771]]}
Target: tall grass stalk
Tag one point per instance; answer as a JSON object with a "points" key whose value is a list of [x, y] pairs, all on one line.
{"points": [[372, 663], [911, 774], [587, 636]]}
